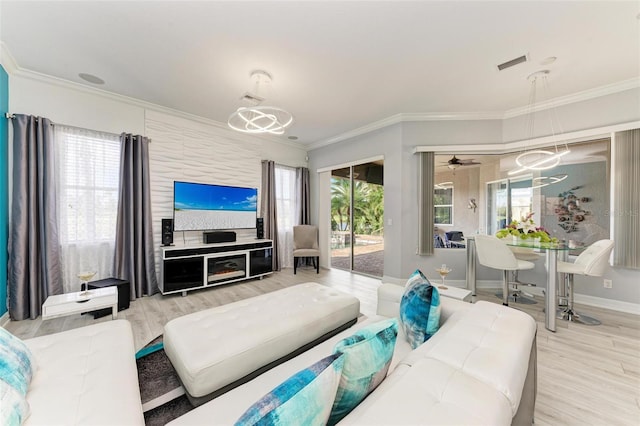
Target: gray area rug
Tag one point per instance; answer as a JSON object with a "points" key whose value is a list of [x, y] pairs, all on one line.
{"points": [[163, 398], [162, 395]]}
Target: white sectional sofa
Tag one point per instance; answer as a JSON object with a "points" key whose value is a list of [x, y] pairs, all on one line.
{"points": [[85, 376], [479, 368]]}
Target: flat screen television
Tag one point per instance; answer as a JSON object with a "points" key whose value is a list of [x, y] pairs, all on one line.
{"points": [[200, 207]]}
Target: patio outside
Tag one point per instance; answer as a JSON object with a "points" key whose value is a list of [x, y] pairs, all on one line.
{"points": [[368, 226]]}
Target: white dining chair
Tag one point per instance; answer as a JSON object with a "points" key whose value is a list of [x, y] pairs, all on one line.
{"points": [[494, 253], [592, 262]]}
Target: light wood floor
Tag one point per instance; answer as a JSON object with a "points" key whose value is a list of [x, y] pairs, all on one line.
{"points": [[587, 375]]}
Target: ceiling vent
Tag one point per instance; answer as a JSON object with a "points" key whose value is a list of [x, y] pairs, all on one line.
{"points": [[512, 62]]}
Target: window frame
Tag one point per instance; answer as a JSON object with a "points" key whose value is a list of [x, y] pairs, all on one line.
{"points": [[450, 206], [69, 163]]}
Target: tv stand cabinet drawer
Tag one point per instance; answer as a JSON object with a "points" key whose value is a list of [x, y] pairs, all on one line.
{"points": [[194, 267], [169, 252]]}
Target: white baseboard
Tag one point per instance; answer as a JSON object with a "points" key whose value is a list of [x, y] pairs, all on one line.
{"points": [[4, 319], [584, 299], [614, 305]]}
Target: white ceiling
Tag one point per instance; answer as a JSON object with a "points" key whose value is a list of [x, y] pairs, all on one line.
{"points": [[336, 65]]}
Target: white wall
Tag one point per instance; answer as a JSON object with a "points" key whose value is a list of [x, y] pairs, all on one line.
{"points": [[401, 183], [72, 105], [182, 148], [621, 107], [384, 142]]}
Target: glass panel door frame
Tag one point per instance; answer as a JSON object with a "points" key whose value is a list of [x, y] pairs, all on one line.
{"points": [[363, 182], [503, 197]]}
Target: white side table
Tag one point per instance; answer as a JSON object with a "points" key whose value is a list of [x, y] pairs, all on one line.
{"points": [[75, 303], [454, 292]]}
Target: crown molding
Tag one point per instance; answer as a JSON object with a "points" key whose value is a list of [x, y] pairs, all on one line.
{"points": [[12, 68], [597, 92], [513, 146], [609, 89], [452, 116], [404, 118], [222, 129], [7, 60], [385, 122]]}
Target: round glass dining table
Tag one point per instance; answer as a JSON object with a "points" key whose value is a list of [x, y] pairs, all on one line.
{"points": [[553, 251]]}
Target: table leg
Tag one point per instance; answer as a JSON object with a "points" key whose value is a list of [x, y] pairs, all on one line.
{"points": [[562, 287], [471, 265], [552, 284], [114, 311]]}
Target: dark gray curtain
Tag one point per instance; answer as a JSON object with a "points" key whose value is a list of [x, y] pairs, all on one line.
{"points": [[304, 212], [268, 209], [302, 186], [626, 199], [426, 173], [134, 258], [34, 271]]}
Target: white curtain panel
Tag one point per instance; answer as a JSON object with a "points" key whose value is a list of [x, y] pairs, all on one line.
{"points": [[287, 212], [88, 165]]}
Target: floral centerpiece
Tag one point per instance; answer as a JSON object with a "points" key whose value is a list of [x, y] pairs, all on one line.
{"points": [[526, 228]]}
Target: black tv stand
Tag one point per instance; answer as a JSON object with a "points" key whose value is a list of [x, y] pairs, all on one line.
{"points": [[187, 268]]}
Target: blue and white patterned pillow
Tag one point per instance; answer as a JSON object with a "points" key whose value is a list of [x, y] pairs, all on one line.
{"points": [[419, 309], [14, 408], [368, 355], [16, 362], [304, 399]]}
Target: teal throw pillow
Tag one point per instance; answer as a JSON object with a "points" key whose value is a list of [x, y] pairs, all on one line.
{"points": [[16, 362], [305, 398], [419, 309], [368, 355], [14, 408]]}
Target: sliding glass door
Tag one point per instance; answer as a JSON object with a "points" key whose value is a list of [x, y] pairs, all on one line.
{"points": [[507, 199], [357, 218]]}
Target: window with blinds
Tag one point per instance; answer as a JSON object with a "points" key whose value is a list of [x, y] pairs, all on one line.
{"points": [[89, 186], [88, 164]]}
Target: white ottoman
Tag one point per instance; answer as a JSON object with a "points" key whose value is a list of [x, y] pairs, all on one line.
{"points": [[218, 349]]}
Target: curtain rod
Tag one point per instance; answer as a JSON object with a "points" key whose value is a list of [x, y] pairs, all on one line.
{"points": [[11, 116]]}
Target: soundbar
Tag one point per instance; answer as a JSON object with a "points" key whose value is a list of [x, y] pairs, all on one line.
{"points": [[218, 237]]}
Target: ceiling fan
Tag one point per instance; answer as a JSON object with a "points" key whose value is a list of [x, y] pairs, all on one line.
{"points": [[455, 162]]}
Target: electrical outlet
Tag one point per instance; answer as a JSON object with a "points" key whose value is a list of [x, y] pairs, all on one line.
{"points": [[608, 283]]}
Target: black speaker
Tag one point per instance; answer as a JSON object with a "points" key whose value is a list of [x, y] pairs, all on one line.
{"points": [[218, 237], [260, 228], [167, 232]]}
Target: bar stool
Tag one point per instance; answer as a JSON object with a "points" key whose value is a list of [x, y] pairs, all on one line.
{"points": [[517, 295], [592, 262], [494, 253]]}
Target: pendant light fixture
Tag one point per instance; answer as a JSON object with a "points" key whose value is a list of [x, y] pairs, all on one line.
{"points": [[258, 118], [542, 181], [538, 159]]}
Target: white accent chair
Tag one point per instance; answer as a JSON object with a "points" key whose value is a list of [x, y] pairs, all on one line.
{"points": [[494, 253], [592, 262], [305, 244]]}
